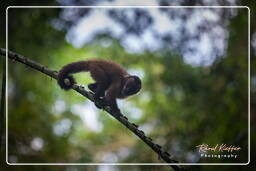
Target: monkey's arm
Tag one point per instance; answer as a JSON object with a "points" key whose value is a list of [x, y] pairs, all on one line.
{"points": [[111, 95]]}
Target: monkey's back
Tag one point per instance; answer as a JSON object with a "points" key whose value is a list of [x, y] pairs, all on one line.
{"points": [[110, 68]]}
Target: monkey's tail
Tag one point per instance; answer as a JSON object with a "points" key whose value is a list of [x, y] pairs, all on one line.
{"points": [[68, 69]]}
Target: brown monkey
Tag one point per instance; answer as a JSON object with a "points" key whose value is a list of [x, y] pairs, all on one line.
{"points": [[111, 80]]}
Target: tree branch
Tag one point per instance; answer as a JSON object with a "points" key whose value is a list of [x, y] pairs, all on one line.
{"points": [[80, 89]]}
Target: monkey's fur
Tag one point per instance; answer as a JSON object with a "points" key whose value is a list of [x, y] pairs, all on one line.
{"points": [[111, 80]]}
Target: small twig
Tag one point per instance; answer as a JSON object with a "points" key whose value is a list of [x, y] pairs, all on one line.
{"points": [[80, 89]]}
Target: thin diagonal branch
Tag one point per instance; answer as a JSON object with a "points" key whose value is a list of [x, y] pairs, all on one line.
{"points": [[120, 117]]}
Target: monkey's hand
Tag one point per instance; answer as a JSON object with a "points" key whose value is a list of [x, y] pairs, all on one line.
{"points": [[99, 102], [115, 110], [113, 106], [102, 102]]}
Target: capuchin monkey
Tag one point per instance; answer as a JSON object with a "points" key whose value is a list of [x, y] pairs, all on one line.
{"points": [[111, 80]]}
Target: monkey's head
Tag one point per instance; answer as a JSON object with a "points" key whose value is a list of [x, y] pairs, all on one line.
{"points": [[132, 85]]}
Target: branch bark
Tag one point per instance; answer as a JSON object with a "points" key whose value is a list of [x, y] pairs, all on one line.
{"points": [[120, 117]]}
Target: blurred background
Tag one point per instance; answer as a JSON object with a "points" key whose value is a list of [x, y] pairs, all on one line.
{"points": [[193, 63]]}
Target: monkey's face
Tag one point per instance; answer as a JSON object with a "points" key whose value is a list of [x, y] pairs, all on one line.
{"points": [[132, 86]]}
